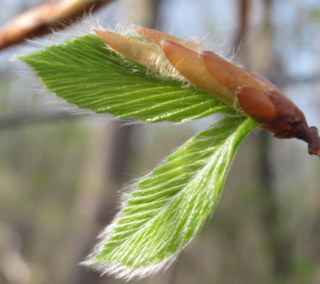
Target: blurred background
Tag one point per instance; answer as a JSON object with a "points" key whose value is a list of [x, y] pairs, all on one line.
{"points": [[61, 176]]}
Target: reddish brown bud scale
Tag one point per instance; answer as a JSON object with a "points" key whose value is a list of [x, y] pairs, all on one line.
{"points": [[229, 74], [256, 103], [190, 65]]}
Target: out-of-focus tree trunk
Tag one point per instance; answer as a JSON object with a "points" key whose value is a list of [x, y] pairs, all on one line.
{"points": [[97, 181], [114, 176], [243, 22], [259, 56], [119, 164]]}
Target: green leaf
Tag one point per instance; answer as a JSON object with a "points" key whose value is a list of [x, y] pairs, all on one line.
{"points": [[168, 209], [86, 73]]}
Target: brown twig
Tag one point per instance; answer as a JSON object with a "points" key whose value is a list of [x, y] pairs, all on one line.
{"points": [[41, 20]]}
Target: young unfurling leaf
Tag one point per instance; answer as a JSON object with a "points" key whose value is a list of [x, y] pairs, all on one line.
{"points": [[168, 209], [157, 77]]}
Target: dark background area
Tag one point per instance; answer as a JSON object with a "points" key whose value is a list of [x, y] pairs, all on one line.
{"points": [[61, 176]]}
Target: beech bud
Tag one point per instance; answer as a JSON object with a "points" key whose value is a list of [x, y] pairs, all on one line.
{"points": [[236, 86]]}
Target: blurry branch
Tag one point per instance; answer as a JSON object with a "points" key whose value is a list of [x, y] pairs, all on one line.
{"points": [[243, 22], [38, 22], [41, 20], [24, 119]]}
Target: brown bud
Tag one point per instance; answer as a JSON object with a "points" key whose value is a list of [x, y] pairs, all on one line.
{"points": [[190, 65], [133, 49], [238, 87], [278, 115], [262, 101]]}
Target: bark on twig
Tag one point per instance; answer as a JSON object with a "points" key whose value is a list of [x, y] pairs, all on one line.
{"points": [[41, 20]]}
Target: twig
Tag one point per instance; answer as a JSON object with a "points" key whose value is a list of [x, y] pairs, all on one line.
{"points": [[41, 20]]}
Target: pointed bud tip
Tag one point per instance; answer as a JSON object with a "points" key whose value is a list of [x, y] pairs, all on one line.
{"points": [[97, 31], [137, 28], [168, 45], [101, 33], [165, 42], [239, 90], [204, 53]]}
